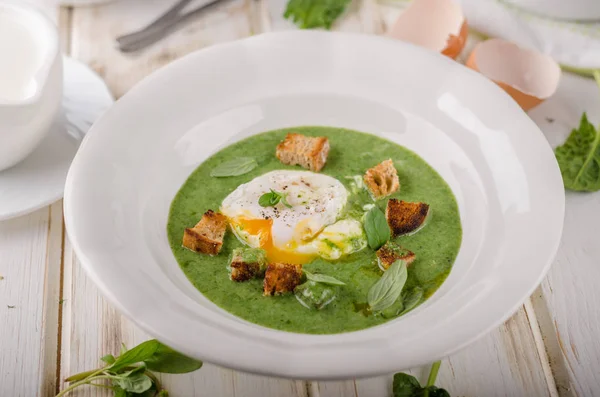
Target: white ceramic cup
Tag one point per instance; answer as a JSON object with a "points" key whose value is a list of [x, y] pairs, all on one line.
{"points": [[577, 10], [26, 118]]}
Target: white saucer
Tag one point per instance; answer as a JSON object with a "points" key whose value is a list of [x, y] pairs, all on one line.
{"points": [[39, 180]]}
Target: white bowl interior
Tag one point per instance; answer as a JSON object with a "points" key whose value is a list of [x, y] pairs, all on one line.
{"points": [[494, 158]]}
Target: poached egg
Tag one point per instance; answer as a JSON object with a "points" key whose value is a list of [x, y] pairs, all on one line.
{"points": [[308, 228]]}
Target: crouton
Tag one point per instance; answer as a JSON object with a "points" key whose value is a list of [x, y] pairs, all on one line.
{"points": [[308, 152], [247, 263], [391, 252], [281, 278], [207, 236], [404, 217], [382, 180]]}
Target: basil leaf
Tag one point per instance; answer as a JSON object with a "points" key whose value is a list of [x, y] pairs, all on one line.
{"points": [[388, 288], [236, 167], [109, 359], [137, 383], [376, 228], [284, 201], [405, 385], [119, 392], [323, 278], [579, 158], [169, 361], [436, 392], [163, 393], [265, 200], [412, 299], [309, 14], [140, 353]]}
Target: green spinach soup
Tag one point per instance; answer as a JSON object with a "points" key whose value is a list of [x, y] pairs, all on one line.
{"points": [[315, 230]]}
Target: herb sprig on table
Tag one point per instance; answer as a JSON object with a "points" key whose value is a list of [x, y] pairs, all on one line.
{"points": [[310, 14], [408, 386], [129, 373], [579, 157]]}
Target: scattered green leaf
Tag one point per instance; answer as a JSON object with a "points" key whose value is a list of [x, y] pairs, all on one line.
{"points": [[310, 14], [136, 383], [236, 167], [109, 359], [313, 295], [323, 278], [130, 371], [140, 353], [273, 198], [376, 228], [412, 299], [388, 288], [170, 361], [408, 386], [579, 158]]}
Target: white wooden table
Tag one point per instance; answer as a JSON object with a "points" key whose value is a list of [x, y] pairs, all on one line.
{"points": [[53, 322]]}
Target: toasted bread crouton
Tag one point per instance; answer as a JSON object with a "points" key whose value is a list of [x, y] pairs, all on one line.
{"points": [[207, 236], [391, 252], [247, 263], [404, 217], [281, 278], [382, 180], [308, 152]]}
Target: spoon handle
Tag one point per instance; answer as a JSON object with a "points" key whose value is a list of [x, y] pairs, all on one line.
{"points": [[161, 26]]}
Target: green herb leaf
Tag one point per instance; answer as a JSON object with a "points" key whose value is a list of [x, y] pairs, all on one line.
{"points": [[119, 392], [323, 278], [388, 288], [309, 14], [170, 361], [273, 198], [284, 201], [109, 359], [239, 166], [436, 392], [406, 386], [579, 158], [136, 383], [163, 393], [376, 228], [140, 353], [412, 299]]}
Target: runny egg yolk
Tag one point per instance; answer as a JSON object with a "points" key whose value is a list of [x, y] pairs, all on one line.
{"points": [[262, 228]]}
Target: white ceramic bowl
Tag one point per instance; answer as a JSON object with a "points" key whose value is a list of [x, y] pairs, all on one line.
{"points": [[495, 159], [25, 122]]}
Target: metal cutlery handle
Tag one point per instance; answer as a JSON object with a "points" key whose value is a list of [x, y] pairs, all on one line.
{"points": [[161, 26]]}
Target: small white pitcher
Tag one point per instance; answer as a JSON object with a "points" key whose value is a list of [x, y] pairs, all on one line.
{"points": [[25, 119]]}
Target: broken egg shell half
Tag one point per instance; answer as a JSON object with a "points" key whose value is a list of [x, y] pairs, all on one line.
{"points": [[528, 76], [435, 24]]}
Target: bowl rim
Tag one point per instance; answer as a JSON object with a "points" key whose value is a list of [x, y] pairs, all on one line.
{"points": [[274, 370]]}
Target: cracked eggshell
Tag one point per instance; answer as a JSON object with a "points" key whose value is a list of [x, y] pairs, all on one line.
{"points": [[528, 76], [435, 24]]}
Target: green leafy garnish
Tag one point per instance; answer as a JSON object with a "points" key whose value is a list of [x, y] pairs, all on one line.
{"points": [[313, 295], [579, 158], [411, 299], [408, 386], [388, 288], [376, 228], [239, 166], [130, 373], [272, 199], [310, 14], [323, 278]]}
